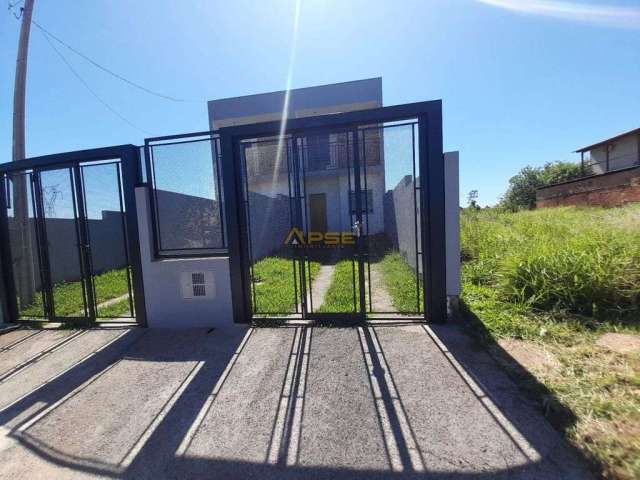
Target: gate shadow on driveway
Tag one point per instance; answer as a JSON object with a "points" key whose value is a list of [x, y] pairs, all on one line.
{"points": [[303, 402]]}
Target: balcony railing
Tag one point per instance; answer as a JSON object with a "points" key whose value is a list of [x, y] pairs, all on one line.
{"points": [[262, 159], [590, 167]]}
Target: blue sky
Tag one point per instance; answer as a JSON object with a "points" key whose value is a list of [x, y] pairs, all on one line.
{"points": [[521, 82]]}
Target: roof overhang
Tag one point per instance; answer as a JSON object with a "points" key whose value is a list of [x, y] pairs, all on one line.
{"points": [[608, 140]]}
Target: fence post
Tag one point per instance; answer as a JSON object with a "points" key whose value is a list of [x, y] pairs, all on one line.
{"points": [[433, 208], [238, 263], [130, 167], [8, 302]]}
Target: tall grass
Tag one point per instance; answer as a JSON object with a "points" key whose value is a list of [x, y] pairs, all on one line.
{"points": [[557, 279], [584, 260]]}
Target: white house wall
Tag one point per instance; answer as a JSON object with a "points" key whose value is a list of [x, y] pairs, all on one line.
{"points": [[336, 188], [164, 300]]}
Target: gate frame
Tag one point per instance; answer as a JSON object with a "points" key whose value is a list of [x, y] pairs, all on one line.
{"points": [[129, 157], [432, 198]]}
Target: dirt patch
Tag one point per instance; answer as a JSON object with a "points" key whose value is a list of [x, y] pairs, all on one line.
{"points": [[623, 343], [530, 355]]}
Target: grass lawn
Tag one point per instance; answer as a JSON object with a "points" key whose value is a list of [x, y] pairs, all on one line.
{"points": [[118, 309], [398, 277], [556, 280], [274, 285], [340, 295], [400, 281], [68, 300]]}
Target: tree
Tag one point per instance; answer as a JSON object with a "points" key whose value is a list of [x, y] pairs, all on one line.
{"points": [[558, 172], [472, 200], [521, 193]]}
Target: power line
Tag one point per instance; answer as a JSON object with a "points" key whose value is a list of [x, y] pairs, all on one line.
{"points": [[107, 70], [86, 85], [14, 5]]}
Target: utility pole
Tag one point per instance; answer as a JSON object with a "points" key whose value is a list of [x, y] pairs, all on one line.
{"points": [[23, 260], [19, 92]]}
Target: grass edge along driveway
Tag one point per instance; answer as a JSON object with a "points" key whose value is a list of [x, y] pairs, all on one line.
{"points": [[555, 281], [68, 299]]}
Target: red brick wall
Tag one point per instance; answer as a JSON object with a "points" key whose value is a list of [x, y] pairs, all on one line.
{"points": [[612, 189]]}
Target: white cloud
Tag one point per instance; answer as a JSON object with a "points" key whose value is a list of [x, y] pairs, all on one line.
{"points": [[606, 15]]}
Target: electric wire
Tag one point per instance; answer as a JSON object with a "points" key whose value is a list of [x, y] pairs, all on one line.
{"points": [[96, 64], [12, 6], [111, 72], [90, 90]]}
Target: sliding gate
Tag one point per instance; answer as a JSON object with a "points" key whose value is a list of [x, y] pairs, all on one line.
{"points": [[339, 216], [67, 238]]}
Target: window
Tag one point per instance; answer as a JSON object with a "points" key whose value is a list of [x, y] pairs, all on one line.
{"points": [[366, 201], [318, 153], [187, 198]]}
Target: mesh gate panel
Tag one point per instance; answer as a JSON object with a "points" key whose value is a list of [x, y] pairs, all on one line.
{"points": [[187, 197]]}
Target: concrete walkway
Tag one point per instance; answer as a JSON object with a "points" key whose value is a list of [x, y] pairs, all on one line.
{"points": [[381, 300], [319, 287], [299, 403]]}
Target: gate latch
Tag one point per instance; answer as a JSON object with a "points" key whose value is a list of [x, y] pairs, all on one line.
{"points": [[357, 228]]}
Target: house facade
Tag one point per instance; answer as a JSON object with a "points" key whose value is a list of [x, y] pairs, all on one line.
{"points": [[324, 159], [611, 175], [615, 153]]}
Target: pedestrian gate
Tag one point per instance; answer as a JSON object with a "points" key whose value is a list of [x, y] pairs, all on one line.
{"points": [[70, 249]]}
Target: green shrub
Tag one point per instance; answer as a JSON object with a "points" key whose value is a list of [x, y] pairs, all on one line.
{"points": [[521, 193]]}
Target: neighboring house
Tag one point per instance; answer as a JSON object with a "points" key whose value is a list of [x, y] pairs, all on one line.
{"points": [[615, 153], [611, 170], [326, 157]]}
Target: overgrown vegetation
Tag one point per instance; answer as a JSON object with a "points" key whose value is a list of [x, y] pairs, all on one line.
{"points": [[558, 279], [68, 297], [586, 260], [275, 287], [522, 186]]}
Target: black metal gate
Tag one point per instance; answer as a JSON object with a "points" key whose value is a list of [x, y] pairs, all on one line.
{"points": [[70, 250], [339, 216]]}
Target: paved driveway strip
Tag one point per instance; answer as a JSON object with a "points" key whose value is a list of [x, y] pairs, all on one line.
{"points": [[26, 352], [303, 402], [47, 367], [12, 337]]}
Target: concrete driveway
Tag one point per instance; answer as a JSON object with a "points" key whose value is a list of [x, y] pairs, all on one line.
{"points": [[375, 402]]}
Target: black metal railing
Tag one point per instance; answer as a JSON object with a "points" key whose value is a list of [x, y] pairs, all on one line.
{"points": [[262, 157]]}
